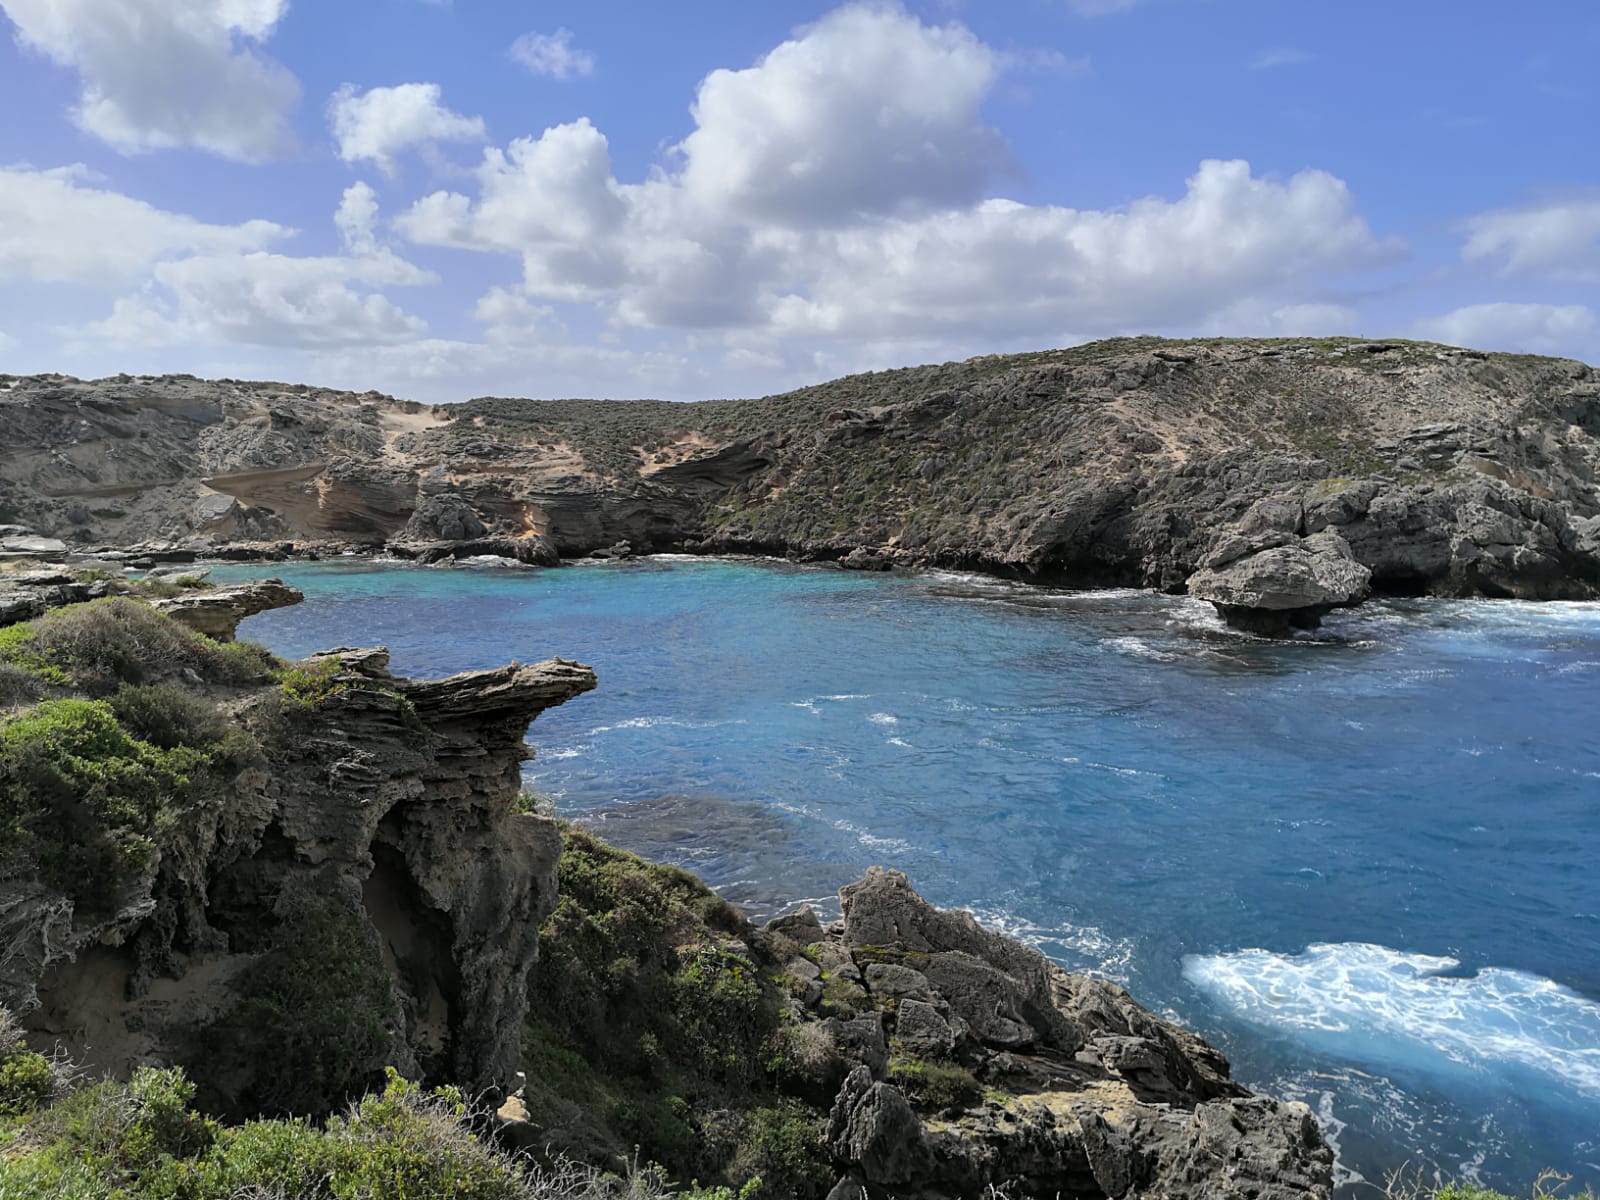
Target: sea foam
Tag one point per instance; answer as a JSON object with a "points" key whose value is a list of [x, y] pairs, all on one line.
{"points": [[1372, 1003]]}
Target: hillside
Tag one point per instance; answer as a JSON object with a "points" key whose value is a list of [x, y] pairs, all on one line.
{"points": [[1427, 469]]}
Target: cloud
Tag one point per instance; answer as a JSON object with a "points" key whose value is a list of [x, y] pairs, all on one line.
{"points": [[1005, 268], [1558, 241], [550, 199], [262, 299], [356, 219], [158, 74], [552, 54], [836, 190], [1100, 8], [838, 205], [55, 228], [1281, 56], [377, 125], [866, 112], [1564, 329]]}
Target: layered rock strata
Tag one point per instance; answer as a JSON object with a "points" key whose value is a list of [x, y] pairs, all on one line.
{"points": [[216, 612]]}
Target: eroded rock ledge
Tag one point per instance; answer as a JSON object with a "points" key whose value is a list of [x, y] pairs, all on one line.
{"points": [[216, 612]]}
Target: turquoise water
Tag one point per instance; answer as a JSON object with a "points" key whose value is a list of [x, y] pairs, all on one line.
{"points": [[1364, 867]]}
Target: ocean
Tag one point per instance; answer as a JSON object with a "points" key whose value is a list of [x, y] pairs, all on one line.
{"points": [[1363, 865]]}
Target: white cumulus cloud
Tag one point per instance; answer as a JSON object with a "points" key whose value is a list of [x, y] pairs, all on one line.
{"points": [[1565, 329], [866, 112], [1006, 267], [378, 125], [552, 54], [55, 227], [157, 74], [1559, 240], [836, 190], [278, 300]]}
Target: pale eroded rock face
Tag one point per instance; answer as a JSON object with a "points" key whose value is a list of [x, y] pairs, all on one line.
{"points": [[216, 612]]}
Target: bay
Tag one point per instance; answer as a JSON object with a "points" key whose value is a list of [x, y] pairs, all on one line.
{"points": [[1364, 865]]}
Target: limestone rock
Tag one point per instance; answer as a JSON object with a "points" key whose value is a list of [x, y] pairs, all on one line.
{"points": [[874, 1131], [217, 612], [33, 547], [1123, 463], [1285, 586], [1107, 1098]]}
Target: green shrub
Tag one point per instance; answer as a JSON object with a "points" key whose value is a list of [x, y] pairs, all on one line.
{"points": [[726, 1017], [81, 799], [941, 1085], [643, 1030], [315, 1015], [26, 1082], [307, 685], [19, 686], [105, 642], [168, 716], [236, 664], [98, 646], [781, 1150]]}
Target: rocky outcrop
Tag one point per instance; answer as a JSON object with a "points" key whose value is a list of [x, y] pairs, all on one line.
{"points": [[25, 595], [1079, 1091], [373, 825], [216, 612], [1279, 588]]}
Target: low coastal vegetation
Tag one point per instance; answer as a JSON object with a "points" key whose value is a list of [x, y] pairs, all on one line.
{"points": [[652, 1025], [110, 739]]}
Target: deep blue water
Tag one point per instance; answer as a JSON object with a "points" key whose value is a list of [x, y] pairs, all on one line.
{"points": [[1365, 867]]}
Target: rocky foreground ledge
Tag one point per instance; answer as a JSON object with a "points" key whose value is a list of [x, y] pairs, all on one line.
{"points": [[1086, 1093]]}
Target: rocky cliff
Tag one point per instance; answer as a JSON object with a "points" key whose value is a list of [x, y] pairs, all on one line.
{"points": [[1133, 462], [281, 877]]}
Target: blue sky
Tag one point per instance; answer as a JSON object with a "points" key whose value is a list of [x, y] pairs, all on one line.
{"points": [[449, 199]]}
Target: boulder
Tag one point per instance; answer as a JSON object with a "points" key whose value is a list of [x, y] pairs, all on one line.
{"points": [[875, 1133], [1291, 586]]}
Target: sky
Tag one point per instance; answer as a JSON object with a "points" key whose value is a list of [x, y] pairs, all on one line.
{"points": [[442, 199]]}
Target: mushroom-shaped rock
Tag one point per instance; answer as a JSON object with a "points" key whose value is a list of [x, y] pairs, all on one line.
{"points": [[1282, 588], [217, 613]]}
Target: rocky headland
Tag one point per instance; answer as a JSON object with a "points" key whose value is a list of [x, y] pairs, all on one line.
{"points": [[251, 887], [1276, 478]]}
